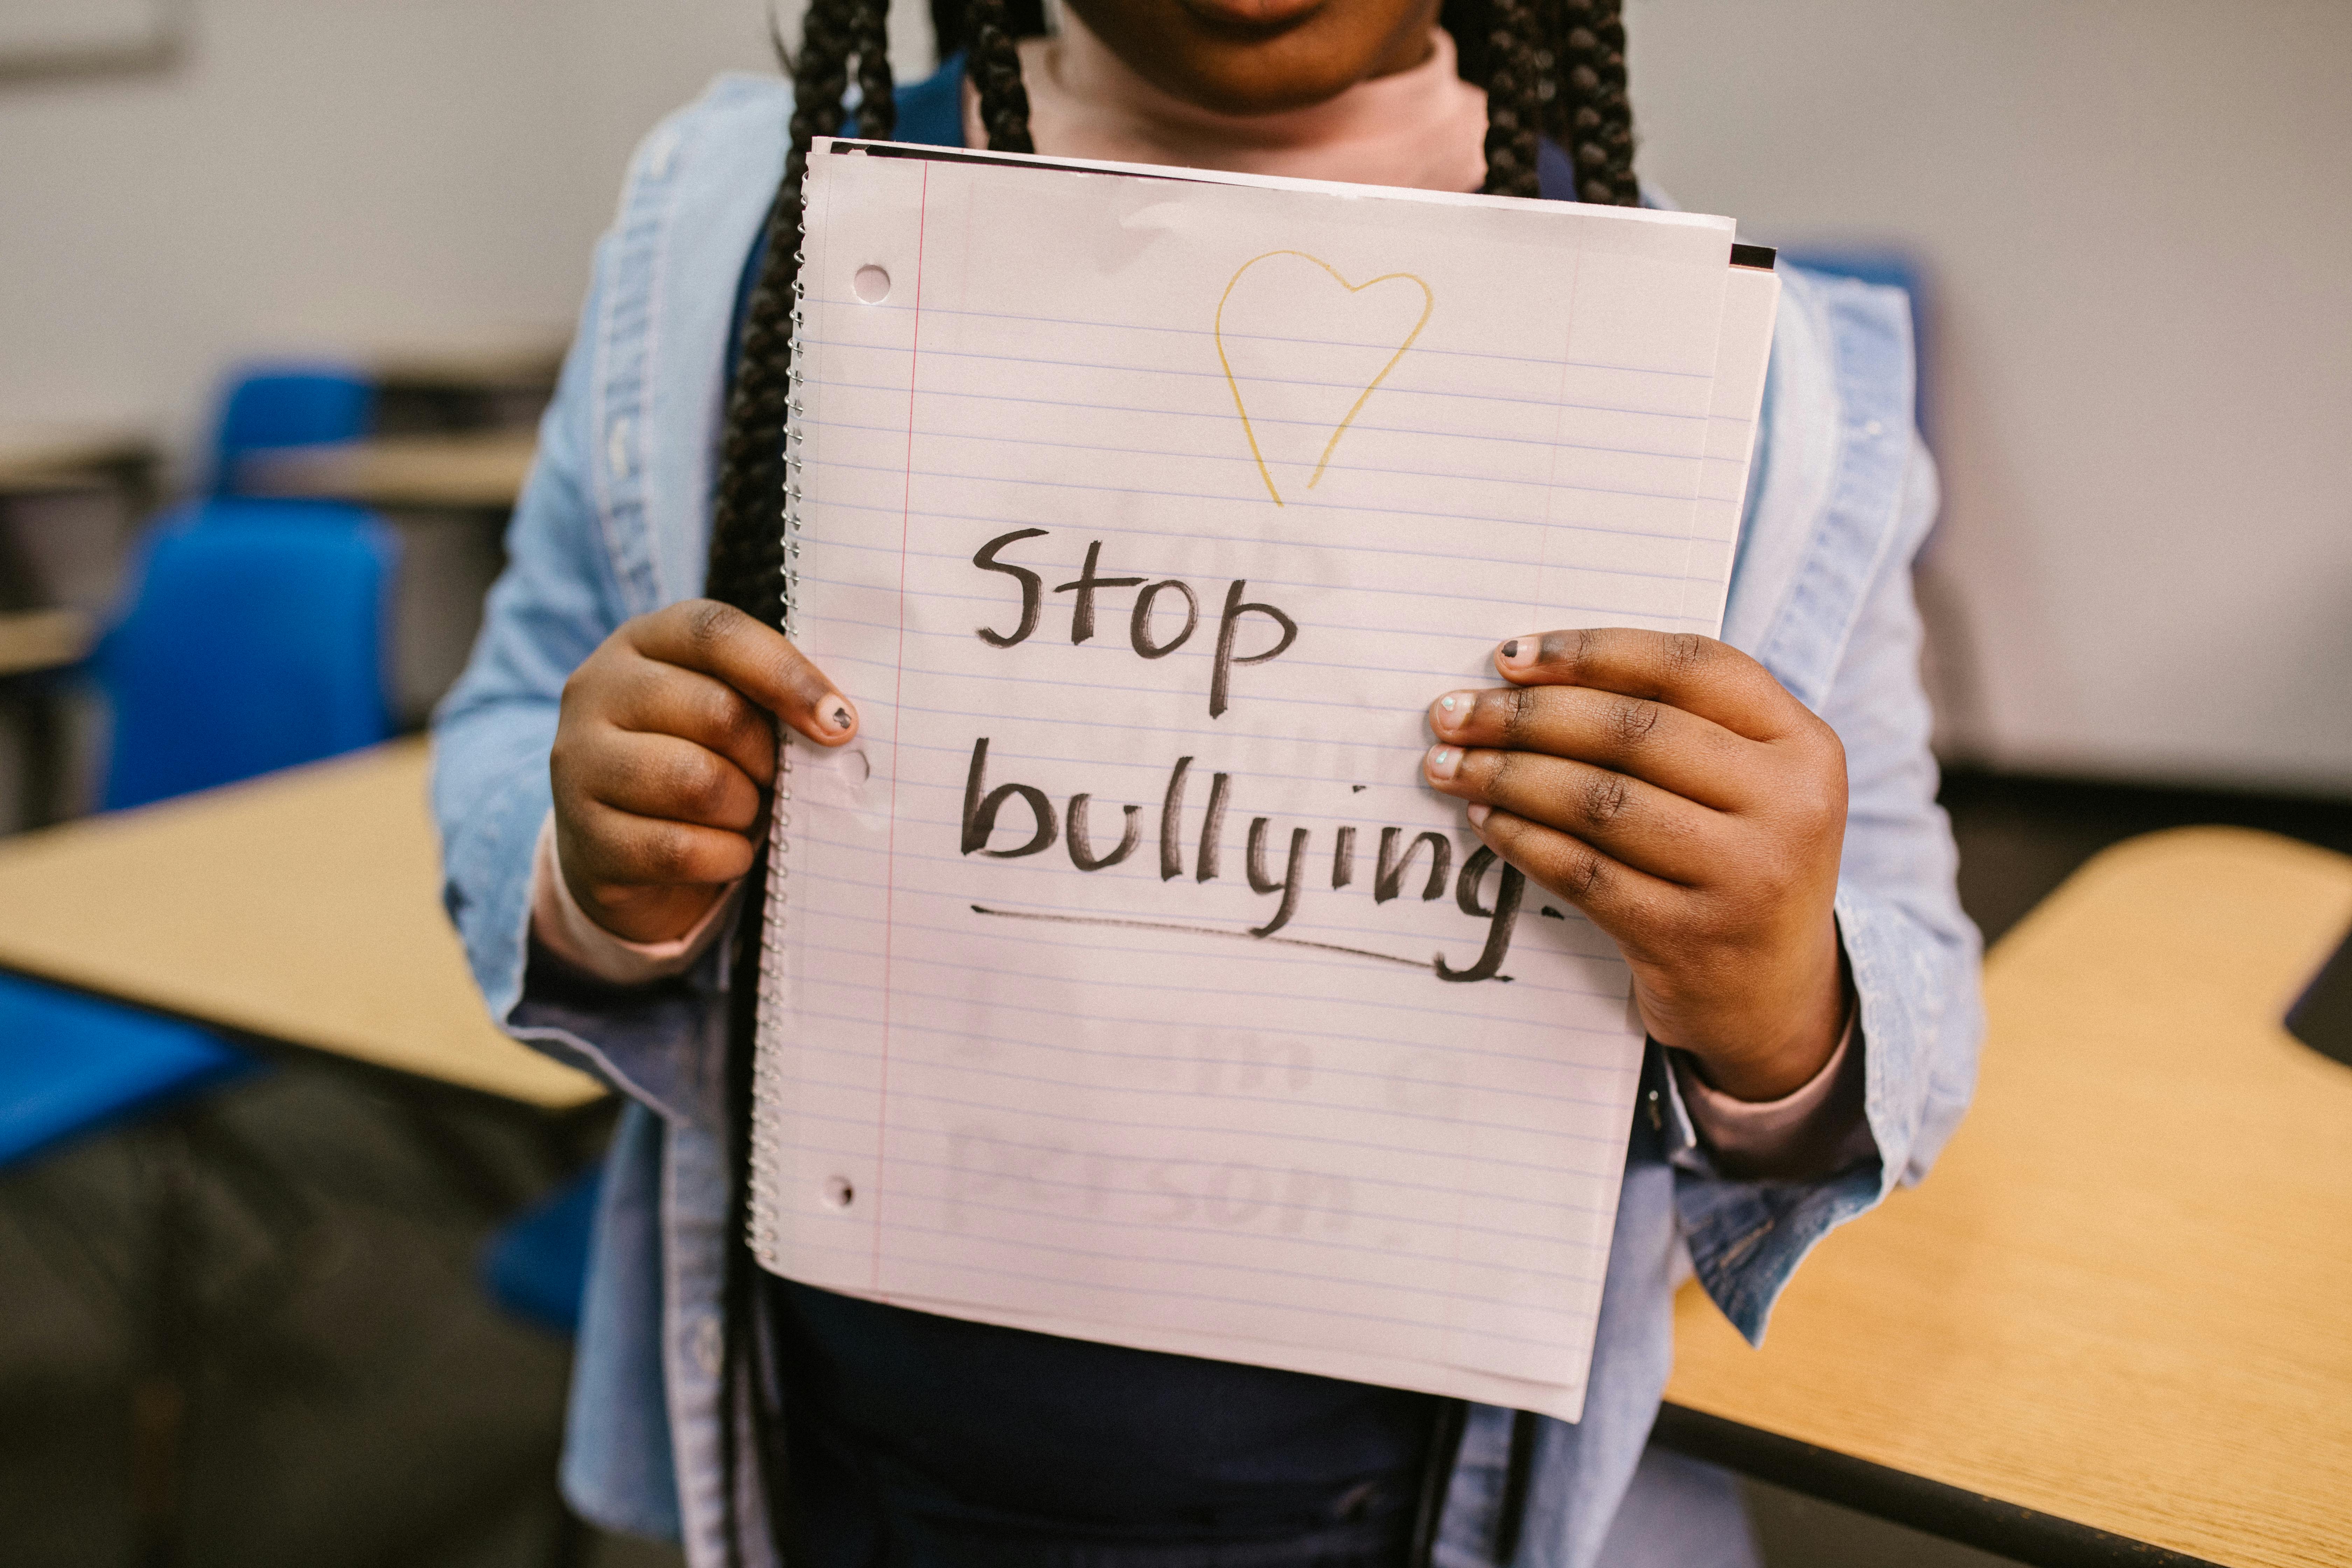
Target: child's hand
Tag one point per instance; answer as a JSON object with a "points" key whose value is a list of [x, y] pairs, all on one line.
{"points": [[663, 757], [1675, 793]]}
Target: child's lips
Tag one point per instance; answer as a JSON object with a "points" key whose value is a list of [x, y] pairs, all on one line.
{"points": [[1252, 14]]}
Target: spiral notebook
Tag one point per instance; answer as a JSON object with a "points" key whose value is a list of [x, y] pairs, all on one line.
{"points": [[1124, 982]]}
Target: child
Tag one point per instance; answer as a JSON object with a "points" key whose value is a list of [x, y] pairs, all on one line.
{"points": [[1753, 821]]}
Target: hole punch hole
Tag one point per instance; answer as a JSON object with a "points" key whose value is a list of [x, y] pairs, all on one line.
{"points": [[838, 1192], [872, 285]]}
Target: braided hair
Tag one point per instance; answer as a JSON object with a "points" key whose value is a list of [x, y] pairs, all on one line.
{"points": [[1553, 68]]}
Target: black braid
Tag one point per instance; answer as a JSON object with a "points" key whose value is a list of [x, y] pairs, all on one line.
{"points": [[1514, 99], [1596, 122], [747, 571], [995, 67], [747, 559], [1558, 66], [878, 100], [1024, 19]]}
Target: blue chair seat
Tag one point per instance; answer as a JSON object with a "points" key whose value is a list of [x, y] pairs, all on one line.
{"points": [[69, 1063], [536, 1265], [255, 641]]}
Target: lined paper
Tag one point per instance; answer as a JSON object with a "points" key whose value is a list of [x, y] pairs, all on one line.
{"points": [[1125, 982]]}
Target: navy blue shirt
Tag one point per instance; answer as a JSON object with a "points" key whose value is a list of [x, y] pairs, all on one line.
{"points": [[908, 1425]]}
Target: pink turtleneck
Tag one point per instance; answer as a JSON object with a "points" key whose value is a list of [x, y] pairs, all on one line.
{"points": [[1425, 128]]}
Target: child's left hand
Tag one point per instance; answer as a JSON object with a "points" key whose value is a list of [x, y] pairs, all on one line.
{"points": [[1675, 793]]}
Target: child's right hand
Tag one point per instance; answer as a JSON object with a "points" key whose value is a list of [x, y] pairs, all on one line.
{"points": [[663, 757]]}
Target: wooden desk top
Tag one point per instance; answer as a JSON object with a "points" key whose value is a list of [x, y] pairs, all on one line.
{"points": [[66, 457], [480, 471], [525, 359], [42, 639], [303, 907], [2124, 1297]]}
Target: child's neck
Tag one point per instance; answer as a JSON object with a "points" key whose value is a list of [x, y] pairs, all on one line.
{"points": [[1425, 128]]}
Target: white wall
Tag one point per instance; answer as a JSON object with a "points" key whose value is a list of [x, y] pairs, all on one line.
{"points": [[2138, 213], [2136, 210], [323, 175]]}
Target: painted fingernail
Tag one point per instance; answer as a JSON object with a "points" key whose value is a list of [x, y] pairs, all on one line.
{"points": [[1454, 710], [834, 713], [1519, 652], [1478, 814], [1444, 761]]}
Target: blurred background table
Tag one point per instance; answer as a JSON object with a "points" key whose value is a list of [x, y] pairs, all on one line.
{"points": [[471, 471], [299, 910], [2111, 1326], [42, 459], [32, 641]]}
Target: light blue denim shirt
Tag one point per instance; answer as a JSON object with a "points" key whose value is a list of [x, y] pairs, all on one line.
{"points": [[614, 522]]}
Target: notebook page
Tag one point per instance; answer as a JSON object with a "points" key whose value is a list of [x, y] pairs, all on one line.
{"points": [[1751, 300], [1125, 980]]}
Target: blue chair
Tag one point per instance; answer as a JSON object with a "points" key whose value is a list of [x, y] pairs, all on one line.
{"points": [[254, 641], [71, 1063], [268, 407], [536, 1265]]}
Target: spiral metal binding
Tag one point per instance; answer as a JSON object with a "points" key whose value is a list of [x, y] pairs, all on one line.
{"points": [[767, 1092]]}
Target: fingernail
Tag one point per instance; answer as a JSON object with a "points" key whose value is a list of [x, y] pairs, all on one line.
{"points": [[1454, 709], [1444, 761], [835, 715], [1519, 652], [1478, 814]]}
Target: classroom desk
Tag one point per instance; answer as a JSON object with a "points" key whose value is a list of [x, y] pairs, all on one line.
{"points": [[2122, 1302], [524, 360], [2110, 1328], [303, 909], [472, 471], [35, 640], [38, 459]]}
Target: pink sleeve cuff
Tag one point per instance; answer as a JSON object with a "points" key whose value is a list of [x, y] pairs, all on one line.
{"points": [[565, 929], [1819, 1125]]}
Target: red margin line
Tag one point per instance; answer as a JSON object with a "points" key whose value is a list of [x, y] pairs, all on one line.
{"points": [[890, 856]]}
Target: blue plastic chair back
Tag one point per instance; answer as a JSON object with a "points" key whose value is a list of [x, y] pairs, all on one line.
{"points": [[267, 407], [536, 1265], [256, 641], [69, 1064]]}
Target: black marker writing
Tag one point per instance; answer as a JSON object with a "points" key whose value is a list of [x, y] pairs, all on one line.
{"points": [[1171, 818], [1213, 829], [1391, 874], [1240, 621], [979, 811], [1082, 853], [985, 559], [1082, 614], [1138, 625], [1288, 886], [1073, 826], [1220, 677], [1499, 918]]}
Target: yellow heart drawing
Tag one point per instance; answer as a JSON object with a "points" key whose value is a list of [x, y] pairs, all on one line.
{"points": [[1233, 383]]}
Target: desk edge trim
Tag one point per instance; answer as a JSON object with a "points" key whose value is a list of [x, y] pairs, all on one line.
{"points": [[1974, 1519]]}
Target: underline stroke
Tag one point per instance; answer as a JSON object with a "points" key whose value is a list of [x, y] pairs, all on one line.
{"points": [[1429, 963]]}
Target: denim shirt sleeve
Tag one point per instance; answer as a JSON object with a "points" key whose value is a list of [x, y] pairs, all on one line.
{"points": [[610, 525], [1844, 636]]}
